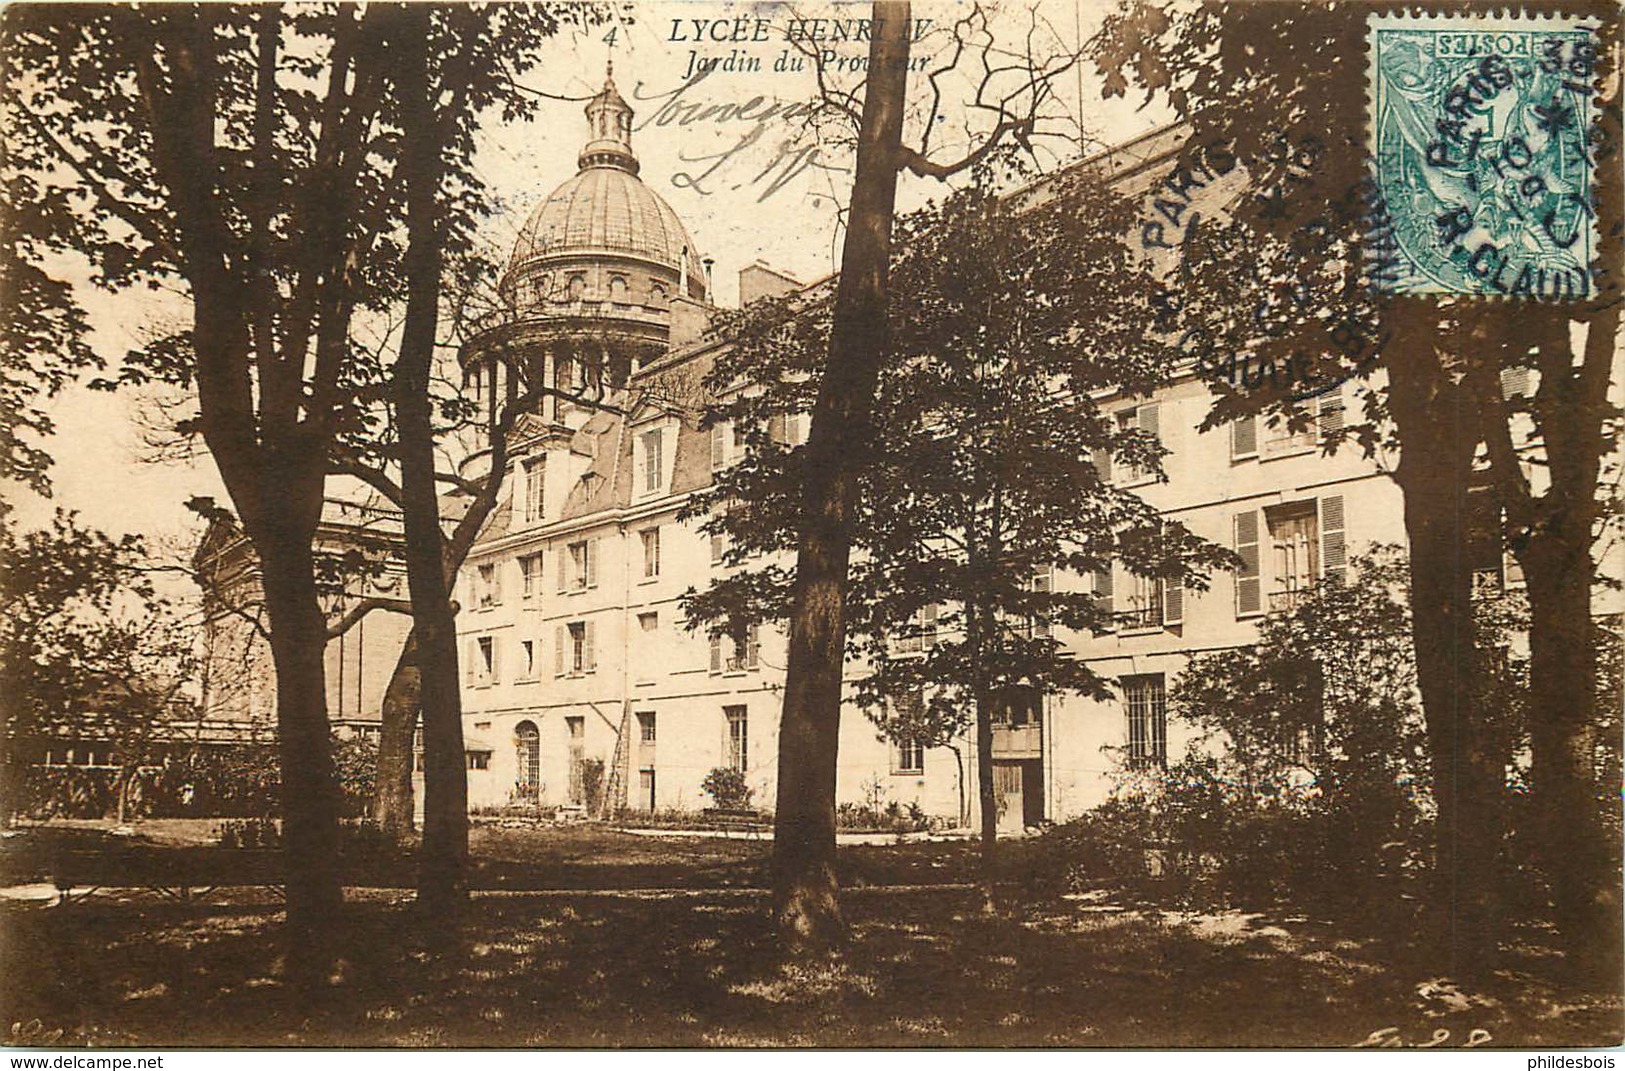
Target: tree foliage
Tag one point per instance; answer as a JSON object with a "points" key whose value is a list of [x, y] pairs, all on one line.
{"points": [[1294, 277], [978, 474]]}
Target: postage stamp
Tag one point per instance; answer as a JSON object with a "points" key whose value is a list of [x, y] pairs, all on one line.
{"points": [[1479, 139]]}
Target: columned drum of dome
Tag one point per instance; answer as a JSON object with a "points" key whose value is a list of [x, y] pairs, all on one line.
{"points": [[586, 296]]}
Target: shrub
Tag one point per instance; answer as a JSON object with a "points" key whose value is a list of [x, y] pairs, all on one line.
{"points": [[592, 785], [727, 787], [249, 833], [890, 818]]}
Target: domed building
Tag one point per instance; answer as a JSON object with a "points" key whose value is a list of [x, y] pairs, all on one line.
{"points": [[588, 292]]}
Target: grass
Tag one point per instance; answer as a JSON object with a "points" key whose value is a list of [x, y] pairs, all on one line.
{"points": [[581, 856], [693, 966]]}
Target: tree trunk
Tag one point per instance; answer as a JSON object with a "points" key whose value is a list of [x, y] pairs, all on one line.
{"points": [[1577, 825], [443, 875], [1438, 431], [806, 909], [398, 721], [309, 794], [987, 798], [1580, 851]]}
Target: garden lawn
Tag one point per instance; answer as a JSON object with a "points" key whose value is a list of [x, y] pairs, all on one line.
{"points": [[697, 969], [543, 856]]}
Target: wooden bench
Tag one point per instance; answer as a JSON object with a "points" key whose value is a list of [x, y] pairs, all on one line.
{"points": [[182, 874]]}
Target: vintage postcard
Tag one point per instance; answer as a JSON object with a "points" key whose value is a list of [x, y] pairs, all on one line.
{"points": [[1057, 524]]}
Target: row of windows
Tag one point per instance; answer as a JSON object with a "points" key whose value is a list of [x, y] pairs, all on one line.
{"points": [[572, 286], [1246, 443], [1284, 549], [729, 441], [575, 647], [528, 755]]}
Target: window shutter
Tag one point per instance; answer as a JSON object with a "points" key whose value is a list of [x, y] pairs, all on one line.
{"points": [[1243, 437], [1103, 590], [592, 562], [776, 429], [719, 446], [1173, 601], [753, 645], [1331, 414], [1249, 593], [564, 569], [1102, 458], [589, 648], [496, 581], [496, 660], [560, 639], [1514, 383], [716, 653], [717, 543], [471, 651], [1333, 547], [1043, 583], [928, 636], [1511, 569], [1148, 419]]}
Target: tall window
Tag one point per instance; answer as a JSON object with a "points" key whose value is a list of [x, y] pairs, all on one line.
{"points": [[582, 563], [738, 737], [1146, 701], [646, 727], [527, 655], [576, 726], [530, 567], [487, 584], [534, 476], [729, 656], [908, 754], [527, 782], [573, 649], [920, 634], [651, 551], [1294, 552], [652, 461], [580, 654], [487, 667], [1144, 601], [1145, 418]]}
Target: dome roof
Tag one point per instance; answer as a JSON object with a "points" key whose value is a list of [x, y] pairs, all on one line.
{"points": [[606, 208]]}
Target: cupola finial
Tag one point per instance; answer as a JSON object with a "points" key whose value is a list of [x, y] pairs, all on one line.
{"points": [[609, 122]]}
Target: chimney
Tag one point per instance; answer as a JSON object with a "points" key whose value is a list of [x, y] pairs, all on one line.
{"points": [[760, 281], [689, 321]]}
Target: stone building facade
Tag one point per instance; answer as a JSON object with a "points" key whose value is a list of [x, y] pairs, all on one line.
{"points": [[572, 635]]}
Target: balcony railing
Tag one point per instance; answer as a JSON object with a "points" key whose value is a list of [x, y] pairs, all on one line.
{"points": [[1145, 617], [1284, 602]]}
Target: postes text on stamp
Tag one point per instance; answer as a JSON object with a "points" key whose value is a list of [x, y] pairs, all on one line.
{"points": [[1478, 133]]}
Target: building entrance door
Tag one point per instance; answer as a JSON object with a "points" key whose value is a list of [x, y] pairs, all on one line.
{"points": [[1019, 787]]}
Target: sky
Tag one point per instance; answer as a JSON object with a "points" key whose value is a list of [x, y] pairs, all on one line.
{"points": [[761, 187]]}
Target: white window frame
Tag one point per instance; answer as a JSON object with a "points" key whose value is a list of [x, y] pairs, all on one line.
{"points": [[649, 540]]}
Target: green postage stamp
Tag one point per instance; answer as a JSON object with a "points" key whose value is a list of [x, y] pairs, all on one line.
{"points": [[1480, 147]]}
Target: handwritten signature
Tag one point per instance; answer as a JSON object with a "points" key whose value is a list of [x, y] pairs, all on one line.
{"points": [[755, 121]]}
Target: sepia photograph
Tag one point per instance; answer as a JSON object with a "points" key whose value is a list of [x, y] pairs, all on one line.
{"points": [[786, 524]]}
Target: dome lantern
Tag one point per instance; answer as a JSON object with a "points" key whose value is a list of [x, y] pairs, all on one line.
{"points": [[609, 118]]}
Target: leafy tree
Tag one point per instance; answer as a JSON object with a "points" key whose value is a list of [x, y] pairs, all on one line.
{"points": [[981, 507], [1291, 276], [1322, 714], [88, 649], [1009, 92], [251, 155]]}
